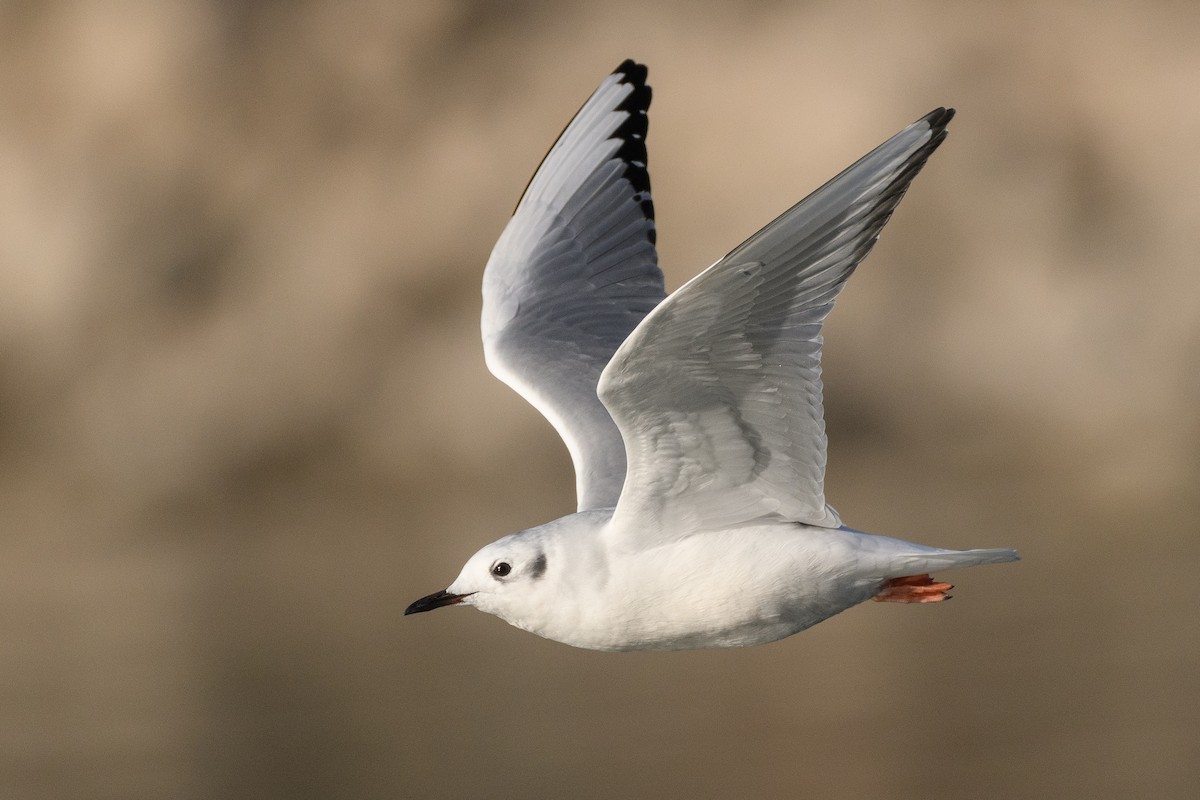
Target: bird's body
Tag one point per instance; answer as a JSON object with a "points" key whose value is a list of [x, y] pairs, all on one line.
{"points": [[694, 421], [740, 586]]}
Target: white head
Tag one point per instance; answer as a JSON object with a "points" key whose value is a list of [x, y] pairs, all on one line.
{"points": [[507, 578]]}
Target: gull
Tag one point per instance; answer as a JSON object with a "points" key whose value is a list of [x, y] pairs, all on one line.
{"points": [[694, 422]]}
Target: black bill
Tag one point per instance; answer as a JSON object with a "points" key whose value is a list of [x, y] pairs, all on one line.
{"points": [[435, 600]]}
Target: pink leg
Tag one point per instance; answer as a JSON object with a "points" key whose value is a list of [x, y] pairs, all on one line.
{"points": [[913, 589]]}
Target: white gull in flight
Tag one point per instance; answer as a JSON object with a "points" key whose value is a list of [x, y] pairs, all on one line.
{"points": [[694, 421]]}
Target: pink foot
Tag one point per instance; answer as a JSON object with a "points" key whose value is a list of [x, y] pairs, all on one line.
{"points": [[913, 589]]}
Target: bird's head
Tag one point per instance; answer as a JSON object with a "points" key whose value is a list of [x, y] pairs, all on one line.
{"points": [[506, 578]]}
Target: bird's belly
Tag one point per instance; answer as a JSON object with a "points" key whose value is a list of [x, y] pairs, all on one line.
{"points": [[728, 590]]}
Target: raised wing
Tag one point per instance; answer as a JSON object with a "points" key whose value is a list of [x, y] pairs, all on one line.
{"points": [[574, 273], [718, 391]]}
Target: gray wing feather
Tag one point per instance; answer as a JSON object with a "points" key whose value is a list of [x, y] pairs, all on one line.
{"points": [[574, 272], [718, 391]]}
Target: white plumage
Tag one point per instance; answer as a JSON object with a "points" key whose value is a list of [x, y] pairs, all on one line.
{"points": [[694, 422]]}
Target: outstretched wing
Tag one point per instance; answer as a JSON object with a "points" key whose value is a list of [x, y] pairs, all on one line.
{"points": [[718, 391], [574, 273]]}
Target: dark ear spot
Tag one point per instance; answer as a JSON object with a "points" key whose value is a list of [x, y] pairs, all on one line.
{"points": [[538, 568]]}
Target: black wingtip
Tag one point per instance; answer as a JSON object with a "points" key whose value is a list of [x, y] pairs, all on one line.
{"points": [[632, 133], [638, 101], [632, 70], [938, 119]]}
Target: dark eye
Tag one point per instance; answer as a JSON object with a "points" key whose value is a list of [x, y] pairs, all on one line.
{"points": [[501, 568]]}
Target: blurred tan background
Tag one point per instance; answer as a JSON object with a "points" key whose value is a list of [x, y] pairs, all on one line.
{"points": [[244, 416]]}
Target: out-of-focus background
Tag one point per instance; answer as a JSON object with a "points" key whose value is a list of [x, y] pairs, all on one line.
{"points": [[245, 420]]}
